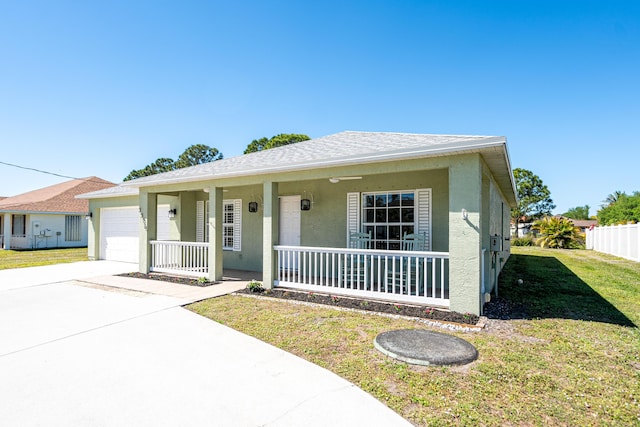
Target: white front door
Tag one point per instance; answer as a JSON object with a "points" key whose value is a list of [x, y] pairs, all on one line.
{"points": [[289, 225]]}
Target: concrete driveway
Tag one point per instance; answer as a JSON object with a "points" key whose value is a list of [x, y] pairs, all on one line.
{"points": [[73, 355]]}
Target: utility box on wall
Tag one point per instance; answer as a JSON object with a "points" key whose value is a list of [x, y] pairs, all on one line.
{"points": [[496, 243]]}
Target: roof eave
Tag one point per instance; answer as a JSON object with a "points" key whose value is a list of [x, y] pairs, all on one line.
{"points": [[346, 161]]}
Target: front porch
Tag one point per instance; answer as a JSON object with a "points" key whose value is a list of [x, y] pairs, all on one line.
{"points": [[417, 277], [18, 241]]}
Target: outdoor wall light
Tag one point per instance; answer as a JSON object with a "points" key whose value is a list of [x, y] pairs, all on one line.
{"points": [[173, 212], [465, 214], [306, 202], [89, 215], [253, 206]]}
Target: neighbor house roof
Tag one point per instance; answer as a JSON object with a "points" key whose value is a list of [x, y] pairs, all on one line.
{"points": [[343, 149], [58, 198], [582, 223]]}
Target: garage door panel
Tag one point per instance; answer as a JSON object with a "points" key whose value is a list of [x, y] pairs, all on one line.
{"points": [[119, 229], [119, 234]]}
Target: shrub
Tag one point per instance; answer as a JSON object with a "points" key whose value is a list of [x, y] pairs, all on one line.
{"points": [[557, 232], [522, 241], [255, 287]]}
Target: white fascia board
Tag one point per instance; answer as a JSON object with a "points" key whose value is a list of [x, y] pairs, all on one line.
{"points": [[129, 191]]}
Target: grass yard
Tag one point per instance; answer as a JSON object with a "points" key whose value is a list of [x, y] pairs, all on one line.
{"points": [[33, 258], [572, 359]]}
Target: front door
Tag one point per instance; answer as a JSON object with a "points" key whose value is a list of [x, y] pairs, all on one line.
{"points": [[289, 224]]}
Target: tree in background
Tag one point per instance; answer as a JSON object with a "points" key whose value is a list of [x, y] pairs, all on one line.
{"points": [[622, 210], [557, 233], [275, 141], [194, 155], [534, 199], [612, 198], [579, 212]]}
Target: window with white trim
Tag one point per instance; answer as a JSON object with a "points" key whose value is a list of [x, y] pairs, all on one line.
{"points": [[18, 225], [227, 226], [72, 227], [231, 223], [388, 216]]}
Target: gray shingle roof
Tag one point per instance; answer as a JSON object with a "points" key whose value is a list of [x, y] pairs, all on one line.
{"points": [[338, 149], [117, 191]]}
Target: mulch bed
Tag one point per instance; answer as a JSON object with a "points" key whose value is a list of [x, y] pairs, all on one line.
{"points": [[418, 311], [167, 278], [504, 309], [423, 312]]}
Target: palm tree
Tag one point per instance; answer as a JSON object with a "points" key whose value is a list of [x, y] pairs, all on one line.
{"points": [[556, 232], [612, 198]]}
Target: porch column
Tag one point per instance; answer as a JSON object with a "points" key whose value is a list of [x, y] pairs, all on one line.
{"points": [[93, 233], [148, 203], [270, 232], [465, 235], [7, 231], [215, 234]]}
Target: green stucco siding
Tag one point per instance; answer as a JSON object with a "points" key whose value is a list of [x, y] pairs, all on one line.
{"points": [[465, 243]]}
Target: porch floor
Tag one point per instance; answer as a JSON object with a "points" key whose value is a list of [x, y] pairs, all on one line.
{"points": [[232, 280]]}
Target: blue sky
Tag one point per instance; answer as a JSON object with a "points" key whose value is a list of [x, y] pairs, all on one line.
{"points": [[101, 88]]}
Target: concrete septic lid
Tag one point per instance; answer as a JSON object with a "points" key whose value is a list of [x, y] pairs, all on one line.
{"points": [[421, 347]]}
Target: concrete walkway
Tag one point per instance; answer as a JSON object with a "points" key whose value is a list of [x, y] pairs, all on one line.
{"points": [[185, 293], [80, 356]]}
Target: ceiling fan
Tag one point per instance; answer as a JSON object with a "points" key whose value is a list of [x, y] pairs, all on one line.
{"points": [[337, 179]]}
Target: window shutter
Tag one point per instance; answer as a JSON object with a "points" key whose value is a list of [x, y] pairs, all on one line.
{"points": [[237, 224], [353, 214], [423, 222], [200, 221]]}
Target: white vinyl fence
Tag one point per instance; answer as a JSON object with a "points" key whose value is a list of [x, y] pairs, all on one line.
{"points": [[618, 240]]}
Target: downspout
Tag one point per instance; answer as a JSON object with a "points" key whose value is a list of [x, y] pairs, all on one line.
{"points": [[497, 274], [483, 288]]}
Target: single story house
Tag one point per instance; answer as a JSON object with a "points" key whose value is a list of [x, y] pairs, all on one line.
{"points": [[582, 224], [401, 217], [50, 217]]}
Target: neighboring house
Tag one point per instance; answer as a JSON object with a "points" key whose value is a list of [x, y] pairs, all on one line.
{"points": [[292, 213], [582, 224], [50, 217], [524, 229]]}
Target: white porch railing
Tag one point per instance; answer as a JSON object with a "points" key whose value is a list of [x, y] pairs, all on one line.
{"points": [[184, 258], [21, 241], [402, 276]]}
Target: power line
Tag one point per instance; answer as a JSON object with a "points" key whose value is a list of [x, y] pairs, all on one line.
{"points": [[48, 173]]}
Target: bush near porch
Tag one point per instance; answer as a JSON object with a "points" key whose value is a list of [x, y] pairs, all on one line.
{"points": [[570, 357]]}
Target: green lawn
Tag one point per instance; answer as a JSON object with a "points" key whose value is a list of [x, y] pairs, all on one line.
{"points": [[573, 359], [19, 259]]}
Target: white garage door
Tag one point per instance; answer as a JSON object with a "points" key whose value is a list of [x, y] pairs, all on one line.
{"points": [[119, 232]]}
